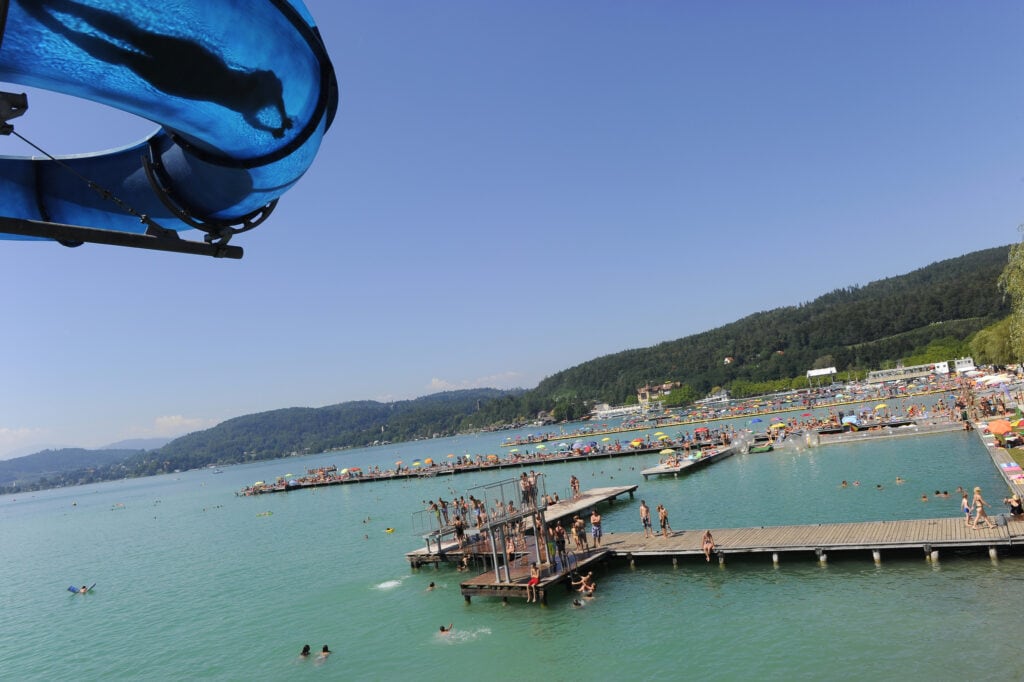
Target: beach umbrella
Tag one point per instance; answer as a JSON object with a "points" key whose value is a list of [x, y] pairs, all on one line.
{"points": [[450, 456], [416, 463], [288, 475], [881, 406], [344, 471], [636, 441], [806, 414], [779, 425], [776, 419], [756, 420], [578, 445], [667, 451], [469, 457], [605, 439], [658, 433], [354, 469], [542, 447], [702, 429], [850, 419], [428, 461], [492, 458], [398, 463], [999, 426], [514, 450], [563, 445], [663, 437], [259, 483]]}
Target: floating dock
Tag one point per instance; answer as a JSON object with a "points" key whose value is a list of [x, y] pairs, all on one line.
{"points": [[927, 536], [684, 465], [441, 545]]}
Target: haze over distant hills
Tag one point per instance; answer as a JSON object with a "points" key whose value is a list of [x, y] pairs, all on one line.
{"points": [[138, 444]]}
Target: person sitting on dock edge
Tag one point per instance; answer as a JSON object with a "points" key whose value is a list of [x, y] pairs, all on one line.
{"points": [[707, 543]]}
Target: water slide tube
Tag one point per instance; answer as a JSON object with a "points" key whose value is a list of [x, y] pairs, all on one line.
{"points": [[243, 92]]}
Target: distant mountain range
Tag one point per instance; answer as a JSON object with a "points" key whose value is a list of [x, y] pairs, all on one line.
{"points": [[856, 328]]}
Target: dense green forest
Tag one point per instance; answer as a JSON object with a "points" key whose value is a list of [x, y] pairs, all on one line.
{"points": [[856, 328], [930, 314]]}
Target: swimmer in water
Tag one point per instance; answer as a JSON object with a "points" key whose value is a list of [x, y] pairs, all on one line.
{"points": [[325, 652], [83, 589], [899, 480], [431, 586], [305, 651], [446, 630]]}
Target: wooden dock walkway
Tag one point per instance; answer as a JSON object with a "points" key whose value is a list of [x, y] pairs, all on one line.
{"points": [[928, 536]]}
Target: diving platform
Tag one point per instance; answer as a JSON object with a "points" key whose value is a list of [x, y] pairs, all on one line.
{"points": [[441, 545], [513, 583]]}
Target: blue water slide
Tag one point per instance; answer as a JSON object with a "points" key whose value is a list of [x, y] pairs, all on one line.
{"points": [[242, 90]]}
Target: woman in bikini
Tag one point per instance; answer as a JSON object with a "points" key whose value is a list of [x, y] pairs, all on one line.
{"points": [[707, 543], [979, 510]]}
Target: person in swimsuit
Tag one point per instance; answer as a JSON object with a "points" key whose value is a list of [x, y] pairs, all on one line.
{"points": [[446, 630], [979, 510], [965, 507], [305, 651], [325, 652], [663, 520], [595, 527], [707, 543], [1016, 510], [531, 586], [645, 519]]}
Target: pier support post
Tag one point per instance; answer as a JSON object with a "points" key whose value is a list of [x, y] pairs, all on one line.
{"points": [[822, 557], [467, 598], [877, 556], [675, 562], [993, 554], [775, 559], [721, 559], [935, 556]]}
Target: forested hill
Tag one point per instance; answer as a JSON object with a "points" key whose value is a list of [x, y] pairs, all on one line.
{"points": [[307, 429], [860, 327], [52, 463]]}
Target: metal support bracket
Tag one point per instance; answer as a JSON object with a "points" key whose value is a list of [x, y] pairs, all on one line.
{"points": [[155, 238], [12, 105]]}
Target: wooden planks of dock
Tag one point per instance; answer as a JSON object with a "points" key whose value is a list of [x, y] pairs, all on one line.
{"points": [[926, 535], [489, 585]]}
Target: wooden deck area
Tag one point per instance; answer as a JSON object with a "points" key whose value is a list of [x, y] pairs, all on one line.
{"points": [[924, 535], [441, 546], [488, 585]]}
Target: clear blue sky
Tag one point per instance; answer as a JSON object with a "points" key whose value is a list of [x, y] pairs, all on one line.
{"points": [[510, 189]]}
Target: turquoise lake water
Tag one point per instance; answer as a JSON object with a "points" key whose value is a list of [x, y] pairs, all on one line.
{"points": [[193, 582]]}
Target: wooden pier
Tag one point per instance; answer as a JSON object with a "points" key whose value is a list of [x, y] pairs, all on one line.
{"points": [[927, 536], [442, 547], [488, 585]]}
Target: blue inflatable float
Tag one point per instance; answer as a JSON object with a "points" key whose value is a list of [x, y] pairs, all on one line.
{"points": [[243, 92]]}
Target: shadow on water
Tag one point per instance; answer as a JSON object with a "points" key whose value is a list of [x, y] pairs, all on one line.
{"points": [[174, 65]]}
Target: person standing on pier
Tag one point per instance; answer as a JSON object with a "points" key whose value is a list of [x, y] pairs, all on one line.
{"points": [[559, 534], [663, 520], [645, 519], [579, 527], [979, 510], [460, 531], [595, 527]]}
